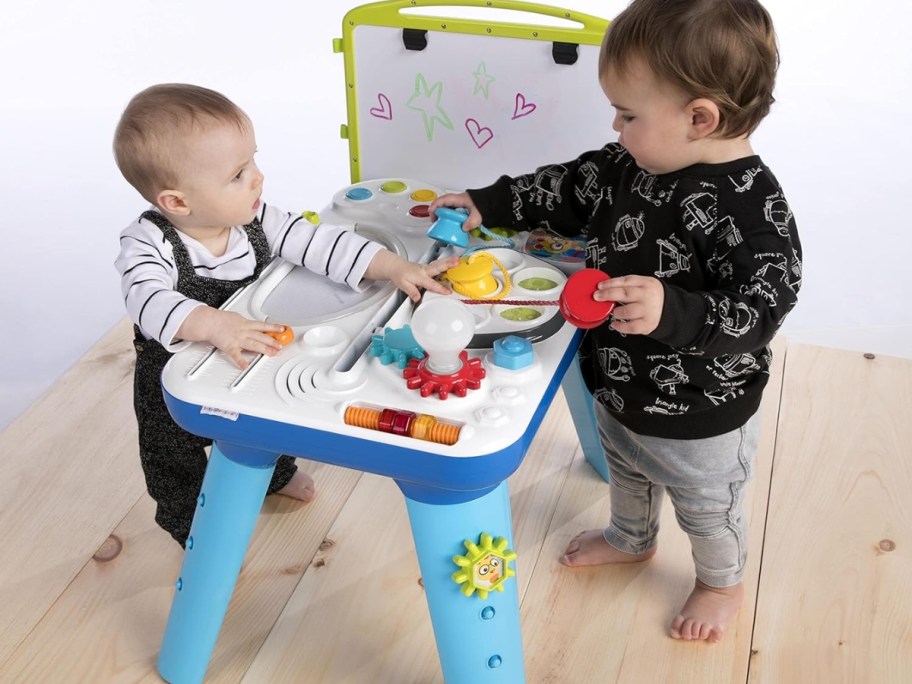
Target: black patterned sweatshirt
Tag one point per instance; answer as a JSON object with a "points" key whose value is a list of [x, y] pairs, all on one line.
{"points": [[721, 239]]}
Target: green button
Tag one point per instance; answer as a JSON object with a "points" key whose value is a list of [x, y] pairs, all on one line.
{"points": [[393, 186]]}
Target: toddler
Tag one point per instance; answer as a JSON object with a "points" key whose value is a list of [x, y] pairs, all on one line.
{"points": [[706, 263], [189, 151]]}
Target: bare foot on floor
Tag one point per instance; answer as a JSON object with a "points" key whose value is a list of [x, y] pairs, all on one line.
{"points": [[707, 612], [590, 548], [300, 486]]}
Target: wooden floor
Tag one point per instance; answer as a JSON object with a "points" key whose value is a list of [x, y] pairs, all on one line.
{"points": [[330, 592]]}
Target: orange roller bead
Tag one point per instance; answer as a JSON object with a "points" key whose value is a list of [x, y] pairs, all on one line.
{"points": [[284, 337], [421, 426]]}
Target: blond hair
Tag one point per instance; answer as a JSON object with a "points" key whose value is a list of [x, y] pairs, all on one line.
{"points": [[721, 50], [147, 141]]}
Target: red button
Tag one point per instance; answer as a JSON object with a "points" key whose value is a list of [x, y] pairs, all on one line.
{"points": [[576, 302], [420, 211]]}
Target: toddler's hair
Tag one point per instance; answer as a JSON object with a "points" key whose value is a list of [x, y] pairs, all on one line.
{"points": [[147, 141], [722, 50]]}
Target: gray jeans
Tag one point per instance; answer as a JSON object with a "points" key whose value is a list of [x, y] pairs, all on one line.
{"points": [[705, 480]]}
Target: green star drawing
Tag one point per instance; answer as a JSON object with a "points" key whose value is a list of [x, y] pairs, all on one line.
{"points": [[426, 99], [483, 80]]}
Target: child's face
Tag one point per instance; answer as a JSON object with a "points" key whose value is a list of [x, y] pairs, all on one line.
{"points": [[652, 118], [222, 185]]}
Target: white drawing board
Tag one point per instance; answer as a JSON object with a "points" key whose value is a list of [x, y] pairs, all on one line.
{"points": [[471, 99]]}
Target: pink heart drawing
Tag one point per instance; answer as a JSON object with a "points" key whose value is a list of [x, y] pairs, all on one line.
{"points": [[522, 108], [385, 110], [480, 135]]}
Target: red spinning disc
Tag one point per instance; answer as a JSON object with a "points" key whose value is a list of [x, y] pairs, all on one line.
{"points": [[576, 302]]}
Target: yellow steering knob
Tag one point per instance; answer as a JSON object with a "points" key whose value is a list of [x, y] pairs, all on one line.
{"points": [[473, 277]]}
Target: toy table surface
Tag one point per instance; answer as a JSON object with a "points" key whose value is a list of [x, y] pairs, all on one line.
{"points": [[295, 404]]}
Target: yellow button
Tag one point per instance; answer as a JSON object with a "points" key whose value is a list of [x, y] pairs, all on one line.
{"points": [[311, 217], [424, 195]]}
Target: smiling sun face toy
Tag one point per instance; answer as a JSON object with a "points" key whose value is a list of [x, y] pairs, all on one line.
{"points": [[487, 572], [485, 567]]}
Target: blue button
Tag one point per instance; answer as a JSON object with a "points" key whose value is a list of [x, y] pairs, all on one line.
{"points": [[513, 352], [359, 194]]}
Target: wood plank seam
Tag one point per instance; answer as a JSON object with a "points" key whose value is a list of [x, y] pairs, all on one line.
{"points": [[769, 493]]}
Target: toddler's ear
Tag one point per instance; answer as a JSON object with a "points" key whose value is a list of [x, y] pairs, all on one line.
{"points": [[173, 202], [704, 117]]}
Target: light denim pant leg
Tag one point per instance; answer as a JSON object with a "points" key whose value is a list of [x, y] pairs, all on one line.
{"points": [[636, 503], [705, 480]]}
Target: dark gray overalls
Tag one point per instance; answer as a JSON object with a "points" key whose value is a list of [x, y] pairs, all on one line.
{"points": [[173, 460]]}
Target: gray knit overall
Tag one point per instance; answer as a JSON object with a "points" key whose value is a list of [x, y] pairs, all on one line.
{"points": [[173, 460]]}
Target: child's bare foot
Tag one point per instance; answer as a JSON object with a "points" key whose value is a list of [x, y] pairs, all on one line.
{"points": [[707, 612], [300, 486], [590, 548]]}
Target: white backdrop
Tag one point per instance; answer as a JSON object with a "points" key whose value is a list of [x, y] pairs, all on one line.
{"points": [[837, 138]]}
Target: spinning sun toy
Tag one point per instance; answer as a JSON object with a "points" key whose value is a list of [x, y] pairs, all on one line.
{"points": [[485, 567]]}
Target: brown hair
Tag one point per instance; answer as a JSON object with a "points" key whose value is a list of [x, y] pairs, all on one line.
{"points": [[147, 139], [722, 50]]}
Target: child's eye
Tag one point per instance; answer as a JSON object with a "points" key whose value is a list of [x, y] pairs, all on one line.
{"points": [[627, 118], [239, 174]]}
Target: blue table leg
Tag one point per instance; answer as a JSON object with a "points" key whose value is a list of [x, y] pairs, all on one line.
{"points": [[226, 515], [478, 640], [582, 411]]}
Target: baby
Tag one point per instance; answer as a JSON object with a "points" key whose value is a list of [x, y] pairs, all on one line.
{"points": [[189, 151]]}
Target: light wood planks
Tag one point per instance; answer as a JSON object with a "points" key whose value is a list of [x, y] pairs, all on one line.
{"points": [[615, 618], [330, 592], [835, 596], [69, 472], [108, 625]]}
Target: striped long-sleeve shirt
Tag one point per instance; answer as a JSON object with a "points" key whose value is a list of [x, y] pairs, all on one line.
{"points": [[149, 275]]}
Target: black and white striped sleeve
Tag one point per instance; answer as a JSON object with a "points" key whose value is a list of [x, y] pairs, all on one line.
{"points": [[334, 251], [148, 281]]}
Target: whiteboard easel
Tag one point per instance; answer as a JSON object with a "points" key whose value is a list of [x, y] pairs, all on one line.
{"points": [[458, 102]]}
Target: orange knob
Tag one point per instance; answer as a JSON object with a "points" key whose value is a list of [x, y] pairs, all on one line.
{"points": [[284, 336]]}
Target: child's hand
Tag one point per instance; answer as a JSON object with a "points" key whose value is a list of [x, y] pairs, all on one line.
{"points": [[461, 199], [231, 333], [410, 277], [640, 300]]}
